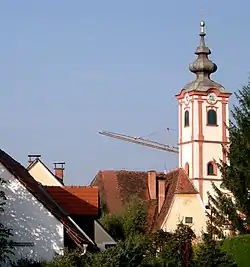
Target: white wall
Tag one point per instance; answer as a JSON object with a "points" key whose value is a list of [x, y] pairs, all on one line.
{"points": [[186, 205], [102, 238], [211, 148], [30, 221], [42, 175]]}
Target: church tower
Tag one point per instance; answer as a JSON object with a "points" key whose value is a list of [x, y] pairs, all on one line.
{"points": [[203, 120]]}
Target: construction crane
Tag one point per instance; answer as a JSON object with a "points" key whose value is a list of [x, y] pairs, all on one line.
{"points": [[141, 141]]}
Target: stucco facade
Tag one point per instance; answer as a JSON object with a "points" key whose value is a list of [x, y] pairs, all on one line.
{"points": [[43, 175], [31, 222], [186, 206], [200, 143]]}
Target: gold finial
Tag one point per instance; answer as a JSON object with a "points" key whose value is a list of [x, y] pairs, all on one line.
{"points": [[202, 24]]}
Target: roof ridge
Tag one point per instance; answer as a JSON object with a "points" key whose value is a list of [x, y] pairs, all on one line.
{"points": [[173, 170], [135, 171], [72, 186]]}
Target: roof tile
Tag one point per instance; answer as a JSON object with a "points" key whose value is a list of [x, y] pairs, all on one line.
{"points": [[76, 200], [119, 186]]}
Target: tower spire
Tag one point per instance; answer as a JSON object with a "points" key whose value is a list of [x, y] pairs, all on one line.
{"points": [[202, 66]]}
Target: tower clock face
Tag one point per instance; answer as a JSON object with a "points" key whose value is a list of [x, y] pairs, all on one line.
{"points": [[211, 98], [187, 99]]}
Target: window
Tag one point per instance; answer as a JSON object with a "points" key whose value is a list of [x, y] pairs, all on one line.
{"points": [[187, 168], [186, 118], [210, 168], [211, 117], [188, 220]]}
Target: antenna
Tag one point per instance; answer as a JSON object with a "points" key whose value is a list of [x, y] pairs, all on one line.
{"points": [[165, 168]]}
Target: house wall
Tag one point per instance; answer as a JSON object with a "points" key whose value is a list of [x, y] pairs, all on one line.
{"points": [[186, 205], [30, 221], [43, 175], [102, 238]]}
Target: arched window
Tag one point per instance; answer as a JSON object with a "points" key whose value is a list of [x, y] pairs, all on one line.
{"points": [[187, 168], [211, 117], [186, 118], [211, 168]]}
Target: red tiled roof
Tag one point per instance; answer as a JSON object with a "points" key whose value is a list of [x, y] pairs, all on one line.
{"points": [[118, 186], [38, 191], [177, 182], [76, 200]]}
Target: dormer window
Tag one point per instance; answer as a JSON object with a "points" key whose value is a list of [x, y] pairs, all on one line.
{"points": [[211, 118], [186, 118]]}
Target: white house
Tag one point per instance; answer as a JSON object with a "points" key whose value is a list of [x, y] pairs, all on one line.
{"points": [[41, 227], [53, 180]]}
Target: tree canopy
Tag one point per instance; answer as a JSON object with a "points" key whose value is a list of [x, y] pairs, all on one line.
{"points": [[232, 210]]}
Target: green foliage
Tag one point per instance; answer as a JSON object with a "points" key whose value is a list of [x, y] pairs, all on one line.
{"points": [[208, 253], [136, 247], [27, 263], [71, 259], [239, 248], [131, 221], [236, 175], [178, 247], [143, 250], [113, 223], [133, 252], [6, 247]]}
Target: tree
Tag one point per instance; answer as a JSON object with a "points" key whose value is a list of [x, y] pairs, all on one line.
{"points": [[178, 248], [233, 211], [6, 247], [130, 221], [209, 254], [146, 249]]}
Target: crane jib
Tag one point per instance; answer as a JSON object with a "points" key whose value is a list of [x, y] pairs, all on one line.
{"points": [[141, 141]]}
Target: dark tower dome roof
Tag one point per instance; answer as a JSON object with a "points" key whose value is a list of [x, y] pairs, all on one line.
{"points": [[203, 67]]}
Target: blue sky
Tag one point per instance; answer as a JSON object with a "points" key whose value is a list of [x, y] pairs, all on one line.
{"points": [[71, 68]]}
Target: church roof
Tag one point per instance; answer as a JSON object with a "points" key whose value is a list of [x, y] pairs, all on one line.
{"points": [[203, 67], [117, 187], [38, 191]]}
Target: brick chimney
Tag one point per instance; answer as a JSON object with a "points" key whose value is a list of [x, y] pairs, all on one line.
{"points": [[152, 184], [33, 157], [161, 193], [59, 170]]}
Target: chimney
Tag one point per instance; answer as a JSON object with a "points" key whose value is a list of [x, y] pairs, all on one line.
{"points": [[59, 170], [33, 157], [152, 184], [161, 193]]}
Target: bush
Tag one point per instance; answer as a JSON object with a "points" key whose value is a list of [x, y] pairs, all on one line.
{"points": [[27, 263], [209, 253], [239, 248]]}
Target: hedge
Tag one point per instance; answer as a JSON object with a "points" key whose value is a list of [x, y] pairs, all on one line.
{"points": [[239, 248]]}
